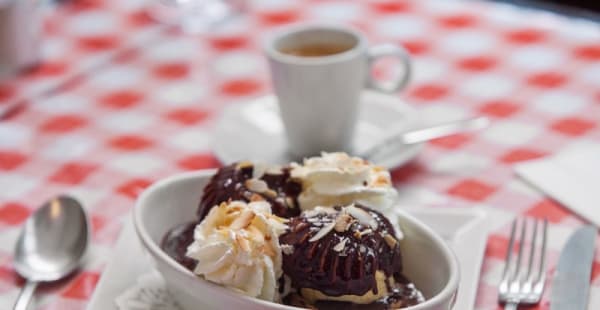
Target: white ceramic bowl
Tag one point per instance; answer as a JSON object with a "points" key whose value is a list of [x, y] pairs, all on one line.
{"points": [[428, 261]]}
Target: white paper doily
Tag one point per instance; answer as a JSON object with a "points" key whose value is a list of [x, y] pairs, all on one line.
{"points": [[149, 293]]}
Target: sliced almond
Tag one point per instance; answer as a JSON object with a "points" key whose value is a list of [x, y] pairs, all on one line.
{"points": [[390, 240], [381, 180], [289, 202], [374, 224], [244, 164], [243, 220], [274, 170], [342, 222], [270, 193], [341, 245], [268, 249], [319, 210], [256, 197], [256, 185], [242, 242], [322, 232], [362, 216], [254, 233], [365, 232]]}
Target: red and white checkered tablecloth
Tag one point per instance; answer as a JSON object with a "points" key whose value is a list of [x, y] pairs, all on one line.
{"points": [[137, 102]]}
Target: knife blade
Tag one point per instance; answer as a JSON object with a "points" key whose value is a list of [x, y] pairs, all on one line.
{"points": [[571, 283]]}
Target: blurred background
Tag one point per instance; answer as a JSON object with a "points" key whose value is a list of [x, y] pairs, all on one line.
{"points": [[583, 8]]}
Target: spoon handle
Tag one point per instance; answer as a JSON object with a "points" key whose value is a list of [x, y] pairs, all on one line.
{"points": [[25, 295], [426, 134]]}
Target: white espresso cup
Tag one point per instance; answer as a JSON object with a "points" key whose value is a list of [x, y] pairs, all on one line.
{"points": [[319, 72]]}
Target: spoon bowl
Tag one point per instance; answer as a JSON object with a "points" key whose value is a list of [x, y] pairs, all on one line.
{"points": [[51, 244]]}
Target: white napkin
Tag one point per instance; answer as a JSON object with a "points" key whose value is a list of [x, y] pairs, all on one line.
{"points": [[571, 177]]}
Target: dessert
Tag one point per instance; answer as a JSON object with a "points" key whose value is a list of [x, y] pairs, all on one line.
{"points": [[338, 179], [327, 180], [342, 253], [347, 254], [237, 246], [309, 235], [247, 181]]}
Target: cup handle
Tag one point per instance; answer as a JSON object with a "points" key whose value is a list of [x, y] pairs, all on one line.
{"points": [[398, 83]]}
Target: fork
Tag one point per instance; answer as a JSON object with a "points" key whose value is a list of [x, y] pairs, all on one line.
{"points": [[524, 285]]}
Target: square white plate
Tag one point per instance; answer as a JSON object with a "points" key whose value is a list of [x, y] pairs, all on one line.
{"points": [[464, 229]]}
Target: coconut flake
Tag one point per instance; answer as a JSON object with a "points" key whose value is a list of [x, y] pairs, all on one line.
{"points": [[365, 232], [342, 222], [322, 232], [341, 245], [362, 216], [243, 220]]}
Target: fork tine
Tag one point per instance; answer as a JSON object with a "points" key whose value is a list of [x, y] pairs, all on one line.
{"points": [[532, 250], [520, 250], [509, 250], [542, 267]]}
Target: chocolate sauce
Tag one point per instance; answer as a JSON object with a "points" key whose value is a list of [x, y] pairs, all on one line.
{"points": [[402, 296], [176, 241], [336, 267], [229, 184]]}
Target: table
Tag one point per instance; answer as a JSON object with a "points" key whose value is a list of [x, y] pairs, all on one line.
{"points": [[120, 101]]}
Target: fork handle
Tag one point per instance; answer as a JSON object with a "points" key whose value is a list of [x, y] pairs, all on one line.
{"points": [[511, 306]]}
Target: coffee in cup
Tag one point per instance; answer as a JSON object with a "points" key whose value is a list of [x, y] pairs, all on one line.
{"points": [[319, 72]]}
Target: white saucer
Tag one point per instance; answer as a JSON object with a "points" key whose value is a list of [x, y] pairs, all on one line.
{"points": [[465, 229], [254, 131]]}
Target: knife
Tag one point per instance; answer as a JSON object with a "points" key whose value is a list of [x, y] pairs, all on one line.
{"points": [[571, 284]]}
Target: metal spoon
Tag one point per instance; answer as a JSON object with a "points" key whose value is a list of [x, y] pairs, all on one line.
{"points": [[50, 245], [426, 134]]}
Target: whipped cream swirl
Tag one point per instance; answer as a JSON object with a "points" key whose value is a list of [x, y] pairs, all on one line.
{"points": [[237, 246], [338, 179]]}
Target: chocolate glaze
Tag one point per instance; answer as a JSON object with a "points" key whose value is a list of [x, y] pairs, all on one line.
{"points": [[350, 271], [403, 295], [229, 184], [176, 241]]}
